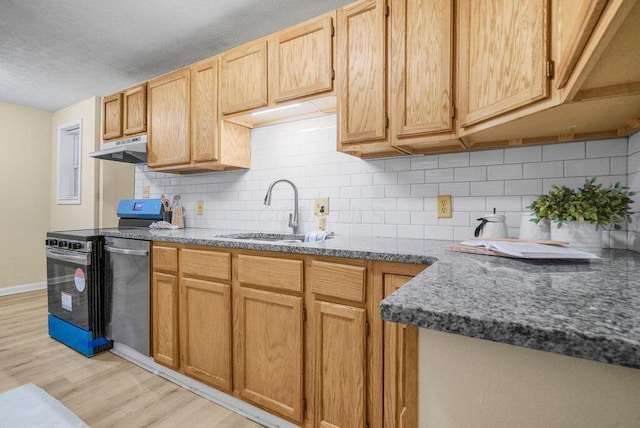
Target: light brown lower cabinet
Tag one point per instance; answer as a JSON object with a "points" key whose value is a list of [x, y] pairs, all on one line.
{"points": [[269, 351], [341, 366], [296, 335]]}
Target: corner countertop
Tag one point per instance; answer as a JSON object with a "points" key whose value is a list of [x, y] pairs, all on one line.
{"points": [[582, 309]]}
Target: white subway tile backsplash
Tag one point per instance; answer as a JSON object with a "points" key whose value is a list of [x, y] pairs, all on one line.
{"points": [[474, 173], [504, 172], [523, 154], [487, 157], [607, 148], [565, 151], [487, 188], [452, 160], [586, 167], [523, 187], [392, 197], [543, 169], [454, 189]]}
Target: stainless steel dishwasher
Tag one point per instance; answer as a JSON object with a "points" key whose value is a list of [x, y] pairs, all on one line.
{"points": [[127, 276]]}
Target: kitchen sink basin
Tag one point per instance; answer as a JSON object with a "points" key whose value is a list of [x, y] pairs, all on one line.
{"points": [[266, 237]]}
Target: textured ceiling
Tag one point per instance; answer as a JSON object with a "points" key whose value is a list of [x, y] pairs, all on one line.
{"points": [[56, 53]]}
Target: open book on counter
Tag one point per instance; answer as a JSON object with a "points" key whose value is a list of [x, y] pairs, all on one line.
{"points": [[521, 249]]}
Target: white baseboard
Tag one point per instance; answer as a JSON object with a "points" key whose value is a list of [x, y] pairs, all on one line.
{"points": [[24, 288], [225, 400]]}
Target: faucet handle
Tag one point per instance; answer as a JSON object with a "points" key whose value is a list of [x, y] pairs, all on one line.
{"points": [[291, 222]]}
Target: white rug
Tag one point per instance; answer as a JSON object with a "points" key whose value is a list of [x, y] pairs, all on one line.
{"points": [[30, 406]]}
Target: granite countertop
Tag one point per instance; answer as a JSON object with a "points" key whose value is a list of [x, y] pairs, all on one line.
{"points": [[583, 309]]}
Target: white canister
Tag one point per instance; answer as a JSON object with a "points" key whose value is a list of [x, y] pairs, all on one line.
{"points": [[492, 226], [531, 230]]}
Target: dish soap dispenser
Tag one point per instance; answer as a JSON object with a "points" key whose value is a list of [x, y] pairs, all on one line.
{"points": [[321, 220]]}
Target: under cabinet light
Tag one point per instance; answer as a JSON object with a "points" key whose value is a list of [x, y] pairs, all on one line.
{"points": [[275, 109]]}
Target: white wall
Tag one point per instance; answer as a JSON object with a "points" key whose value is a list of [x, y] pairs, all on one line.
{"points": [[24, 179], [384, 197]]}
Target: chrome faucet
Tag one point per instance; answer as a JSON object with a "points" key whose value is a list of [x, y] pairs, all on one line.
{"points": [[293, 218]]}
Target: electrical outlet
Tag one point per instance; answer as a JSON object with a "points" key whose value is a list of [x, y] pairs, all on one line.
{"points": [[200, 208], [444, 206], [145, 191], [321, 202]]}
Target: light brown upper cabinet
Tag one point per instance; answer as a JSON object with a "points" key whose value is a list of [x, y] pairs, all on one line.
{"points": [[301, 60], [169, 119], [125, 113], [361, 69], [135, 110], [503, 57], [243, 77], [421, 79], [185, 132], [112, 116]]}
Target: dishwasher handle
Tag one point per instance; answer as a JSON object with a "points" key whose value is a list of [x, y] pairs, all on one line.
{"points": [[126, 251]]}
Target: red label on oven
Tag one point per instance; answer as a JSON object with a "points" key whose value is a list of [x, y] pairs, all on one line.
{"points": [[79, 279]]}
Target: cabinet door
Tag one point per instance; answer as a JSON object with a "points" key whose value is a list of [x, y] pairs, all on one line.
{"points": [[362, 100], [205, 331], [165, 319], [300, 60], [169, 116], [243, 78], [340, 355], [204, 110], [422, 49], [268, 338], [112, 116], [503, 56], [135, 110], [400, 366]]}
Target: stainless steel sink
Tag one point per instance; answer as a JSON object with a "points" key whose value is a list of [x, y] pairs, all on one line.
{"points": [[267, 237]]}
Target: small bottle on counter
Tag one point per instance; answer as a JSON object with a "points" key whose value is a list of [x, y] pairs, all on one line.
{"points": [[321, 220]]}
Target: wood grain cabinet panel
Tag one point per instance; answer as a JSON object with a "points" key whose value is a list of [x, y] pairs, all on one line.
{"points": [[165, 319], [170, 118], [422, 67], [205, 331], [203, 263], [165, 258], [243, 78], [269, 351], [340, 355], [360, 67], [301, 60], [135, 110], [112, 116], [338, 280], [282, 274], [400, 366], [204, 111], [502, 57]]}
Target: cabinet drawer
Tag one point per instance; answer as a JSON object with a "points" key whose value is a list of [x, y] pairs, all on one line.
{"points": [[206, 263], [337, 280], [269, 272], [165, 258]]}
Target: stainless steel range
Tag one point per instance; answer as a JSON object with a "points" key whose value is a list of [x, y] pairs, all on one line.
{"points": [[77, 297]]}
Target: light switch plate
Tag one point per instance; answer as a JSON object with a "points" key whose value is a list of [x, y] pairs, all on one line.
{"points": [[444, 206], [319, 202], [145, 191], [200, 208]]}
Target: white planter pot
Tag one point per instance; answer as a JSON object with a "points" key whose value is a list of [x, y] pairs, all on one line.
{"points": [[580, 235]]}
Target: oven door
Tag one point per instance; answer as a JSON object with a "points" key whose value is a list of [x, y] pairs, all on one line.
{"points": [[68, 286]]}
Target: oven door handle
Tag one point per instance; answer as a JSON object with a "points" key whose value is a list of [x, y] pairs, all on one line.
{"points": [[70, 258], [126, 251]]}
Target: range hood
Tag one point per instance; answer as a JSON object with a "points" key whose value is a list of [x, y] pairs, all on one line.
{"points": [[131, 150]]}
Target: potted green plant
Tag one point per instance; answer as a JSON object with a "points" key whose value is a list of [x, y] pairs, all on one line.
{"points": [[576, 215]]}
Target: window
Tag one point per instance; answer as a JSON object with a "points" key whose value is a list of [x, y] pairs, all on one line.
{"points": [[69, 165]]}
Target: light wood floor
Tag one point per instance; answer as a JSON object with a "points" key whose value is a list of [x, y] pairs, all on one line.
{"points": [[104, 391]]}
